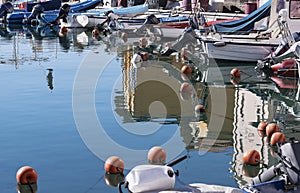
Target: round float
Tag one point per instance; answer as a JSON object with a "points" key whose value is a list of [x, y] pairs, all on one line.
{"points": [[114, 165], [251, 157], [26, 174]]}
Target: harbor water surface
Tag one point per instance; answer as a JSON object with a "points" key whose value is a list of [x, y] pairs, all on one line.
{"points": [[69, 104]]}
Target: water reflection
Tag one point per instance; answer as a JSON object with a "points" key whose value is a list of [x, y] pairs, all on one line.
{"points": [[152, 93], [247, 104]]}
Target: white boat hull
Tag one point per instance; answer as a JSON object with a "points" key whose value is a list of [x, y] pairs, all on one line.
{"points": [[246, 51]]}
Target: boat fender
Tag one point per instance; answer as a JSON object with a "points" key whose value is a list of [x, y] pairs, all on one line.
{"points": [[144, 178], [136, 60], [219, 44]]}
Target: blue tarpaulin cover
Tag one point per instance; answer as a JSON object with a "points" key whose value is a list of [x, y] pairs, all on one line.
{"points": [[245, 24]]}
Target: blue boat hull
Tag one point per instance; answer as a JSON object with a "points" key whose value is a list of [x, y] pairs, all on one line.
{"points": [[18, 17]]}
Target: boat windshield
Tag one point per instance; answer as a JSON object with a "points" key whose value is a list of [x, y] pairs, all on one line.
{"points": [[294, 9]]}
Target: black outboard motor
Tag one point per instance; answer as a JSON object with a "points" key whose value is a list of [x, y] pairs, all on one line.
{"points": [[5, 9], [148, 24], [63, 13], [151, 19], [288, 167], [36, 12]]}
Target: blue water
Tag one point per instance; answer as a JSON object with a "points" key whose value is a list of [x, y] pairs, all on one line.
{"points": [[38, 127]]}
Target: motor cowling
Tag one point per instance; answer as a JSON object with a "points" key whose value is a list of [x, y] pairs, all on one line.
{"points": [[151, 19], [6, 8], [64, 12], [144, 178], [36, 12]]}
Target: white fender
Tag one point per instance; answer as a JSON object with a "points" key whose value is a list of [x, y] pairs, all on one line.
{"points": [[136, 60], [144, 178]]}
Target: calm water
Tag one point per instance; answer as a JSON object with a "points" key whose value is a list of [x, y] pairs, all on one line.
{"points": [[68, 104]]}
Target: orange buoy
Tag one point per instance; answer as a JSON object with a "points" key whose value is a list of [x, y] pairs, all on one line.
{"points": [[157, 155], [199, 109], [114, 165], [95, 32], [185, 91], [64, 29], [236, 73], [185, 87], [26, 174], [187, 70], [251, 157], [277, 137], [262, 126], [271, 128]]}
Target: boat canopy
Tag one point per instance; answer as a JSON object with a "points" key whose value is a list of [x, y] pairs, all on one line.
{"points": [[245, 24]]}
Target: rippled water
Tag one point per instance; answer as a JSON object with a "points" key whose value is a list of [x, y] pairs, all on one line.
{"points": [[69, 103]]}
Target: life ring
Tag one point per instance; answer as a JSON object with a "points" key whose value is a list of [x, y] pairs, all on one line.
{"points": [[26, 174]]}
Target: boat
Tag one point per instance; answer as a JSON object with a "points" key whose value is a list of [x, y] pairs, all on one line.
{"points": [[246, 24], [20, 16], [253, 46], [48, 5], [94, 17], [285, 64], [162, 178]]}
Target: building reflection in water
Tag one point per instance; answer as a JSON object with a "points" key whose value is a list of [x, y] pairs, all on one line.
{"points": [[151, 92]]}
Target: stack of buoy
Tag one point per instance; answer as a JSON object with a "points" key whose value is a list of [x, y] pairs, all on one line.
{"points": [[27, 180], [272, 132]]}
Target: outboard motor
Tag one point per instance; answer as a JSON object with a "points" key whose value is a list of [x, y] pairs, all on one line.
{"points": [[284, 44], [63, 13], [288, 167], [36, 12], [5, 9], [150, 20], [188, 37]]}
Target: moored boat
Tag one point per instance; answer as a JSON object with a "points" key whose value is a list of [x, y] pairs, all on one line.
{"points": [[20, 16], [254, 46]]}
